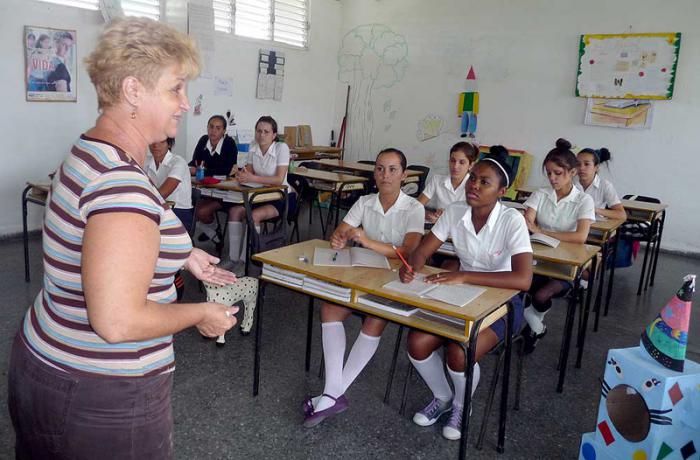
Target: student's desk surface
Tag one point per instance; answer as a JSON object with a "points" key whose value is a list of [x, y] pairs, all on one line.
{"points": [[563, 261], [359, 167], [371, 281], [637, 210], [328, 176], [309, 153], [235, 186]]}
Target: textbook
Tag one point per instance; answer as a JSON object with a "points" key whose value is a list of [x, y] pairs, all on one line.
{"points": [[352, 257], [544, 239], [389, 305], [454, 294]]}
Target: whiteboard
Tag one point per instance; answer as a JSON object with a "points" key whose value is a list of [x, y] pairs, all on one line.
{"points": [[628, 66]]}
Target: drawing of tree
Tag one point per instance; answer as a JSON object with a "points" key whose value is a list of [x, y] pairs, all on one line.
{"points": [[371, 56]]}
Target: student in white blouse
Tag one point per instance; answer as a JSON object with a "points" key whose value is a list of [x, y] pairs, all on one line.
{"points": [[607, 202], [494, 249], [444, 190], [170, 173], [267, 163], [563, 212], [378, 222]]}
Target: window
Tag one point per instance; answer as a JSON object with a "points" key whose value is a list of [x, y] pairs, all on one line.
{"points": [[284, 21], [87, 4], [144, 8]]}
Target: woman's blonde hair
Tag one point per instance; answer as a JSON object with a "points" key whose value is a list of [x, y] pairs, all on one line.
{"points": [[141, 48]]}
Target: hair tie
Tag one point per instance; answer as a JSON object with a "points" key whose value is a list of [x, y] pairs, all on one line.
{"points": [[501, 168]]}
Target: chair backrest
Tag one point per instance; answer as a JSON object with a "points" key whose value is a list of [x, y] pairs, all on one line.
{"points": [[310, 165], [638, 230], [645, 199], [304, 193], [422, 178], [273, 239]]}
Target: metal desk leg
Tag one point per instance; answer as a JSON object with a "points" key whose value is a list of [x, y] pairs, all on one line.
{"points": [[601, 285], [309, 331], [611, 280], [258, 333], [566, 339], [25, 233], [586, 312], [392, 369], [510, 320], [658, 247], [469, 359], [646, 256]]}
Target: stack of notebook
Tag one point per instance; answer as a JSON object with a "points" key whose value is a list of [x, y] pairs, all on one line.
{"points": [[448, 247], [325, 289], [286, 277]]}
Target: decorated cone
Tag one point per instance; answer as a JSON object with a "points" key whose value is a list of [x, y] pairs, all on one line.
{"points": [[666, 338]]}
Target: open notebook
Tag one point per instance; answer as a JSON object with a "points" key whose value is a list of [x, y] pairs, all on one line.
{"points": [[454, 294], [544, 239], [350, 257]]}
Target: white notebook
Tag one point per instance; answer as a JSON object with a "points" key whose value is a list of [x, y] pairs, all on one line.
{"points": [[349, 257], [454, 294], [544, 239], [392, 306]]}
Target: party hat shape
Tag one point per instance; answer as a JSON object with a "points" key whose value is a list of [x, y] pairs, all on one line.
{"points": [[666, 338]]}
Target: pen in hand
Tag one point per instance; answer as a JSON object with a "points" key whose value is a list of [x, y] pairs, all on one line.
{"points": [[408, 267]]}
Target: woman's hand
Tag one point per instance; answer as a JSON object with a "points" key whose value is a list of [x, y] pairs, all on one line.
{"points": [[338, 240], [406, 276], [203, 267], [433, 216], [243, 176], [217, 319], [445, 278], [358, 235], [533, 227]]}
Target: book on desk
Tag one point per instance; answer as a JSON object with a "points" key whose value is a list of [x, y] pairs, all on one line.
{"points": [[453, 294], [349, 257], [544, 239]]}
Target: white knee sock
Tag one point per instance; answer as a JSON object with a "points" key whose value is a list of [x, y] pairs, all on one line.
{"points": [[534, 319], [362, 351], [432, 371], [333, 338], [207, 229], [459, 380], [235, 233]]}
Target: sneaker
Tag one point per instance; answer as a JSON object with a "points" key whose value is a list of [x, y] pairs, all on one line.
{"points": [[316, 417], [531, 338], [432, 412], [453, 428]]}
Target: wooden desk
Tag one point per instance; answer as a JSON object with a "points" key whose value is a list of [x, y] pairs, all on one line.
{"points": [[362, 168], [338, 183], [480, 313], [525, 191], [567, 262], [316, 151], [35, 192], [603, 233], [655, 215]]}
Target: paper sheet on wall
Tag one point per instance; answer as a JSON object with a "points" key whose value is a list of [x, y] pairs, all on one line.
{"points": [[200, 26], [223, 86], [270, 75]]}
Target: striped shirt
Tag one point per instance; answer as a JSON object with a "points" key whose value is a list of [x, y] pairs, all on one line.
{"points": [[98, 178]]}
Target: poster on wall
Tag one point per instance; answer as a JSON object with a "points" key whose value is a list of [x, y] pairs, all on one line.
{"points": [[50, 64], [628, 66], [619, 113], [270, 75]]}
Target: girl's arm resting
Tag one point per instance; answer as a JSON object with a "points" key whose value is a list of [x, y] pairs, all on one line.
{"points": [[427, 247], [277, 179], [118, 261], [410, 242], [579, 236], [339, 237], [615, 212], [168, 187], [520, 276]]}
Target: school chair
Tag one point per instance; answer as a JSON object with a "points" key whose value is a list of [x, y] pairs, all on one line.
{"points": [[273, 232], [305, 194], [649, 232], [421, 180]]}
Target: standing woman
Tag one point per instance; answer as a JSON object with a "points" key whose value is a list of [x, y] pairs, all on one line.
{"points": [[562, 212], [92, 364], [267, 163], [171, 175], [390, 219], [448, 189], [607, 202], [494, 249]]}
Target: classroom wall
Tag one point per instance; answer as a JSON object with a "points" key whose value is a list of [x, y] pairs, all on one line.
{"points": [[36, 136], [525, 56]]}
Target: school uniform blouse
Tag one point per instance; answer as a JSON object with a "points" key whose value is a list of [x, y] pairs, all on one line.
{"points": [[503, 236], [219, 160], [561, 216], [602, 192], [440, 187], [407, 215], [266, 165], [172, 166]]}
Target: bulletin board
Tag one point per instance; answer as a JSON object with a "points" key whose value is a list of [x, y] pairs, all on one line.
{"points": [[628, 66]]}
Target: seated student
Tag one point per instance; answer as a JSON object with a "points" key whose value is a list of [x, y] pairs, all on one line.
{"points": [[268, 162], [494, 249], [563, 212], [389, 218], [607, 202], [218, 153], [448, 189], [170, 174]]}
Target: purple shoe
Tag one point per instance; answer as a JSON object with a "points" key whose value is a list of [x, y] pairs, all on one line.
{"points": [[316, 417], [308, 407]]}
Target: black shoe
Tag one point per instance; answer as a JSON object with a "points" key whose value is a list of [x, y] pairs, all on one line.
{"points": [[202, 237], [531, 339]]}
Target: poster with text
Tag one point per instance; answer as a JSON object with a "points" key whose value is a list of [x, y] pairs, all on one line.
{"points": [[50, 64]]}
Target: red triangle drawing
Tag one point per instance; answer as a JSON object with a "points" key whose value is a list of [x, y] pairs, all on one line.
{"points": [[471, 75]]}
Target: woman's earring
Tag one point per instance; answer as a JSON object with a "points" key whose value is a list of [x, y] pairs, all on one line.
{"points": [[133, 114]]}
